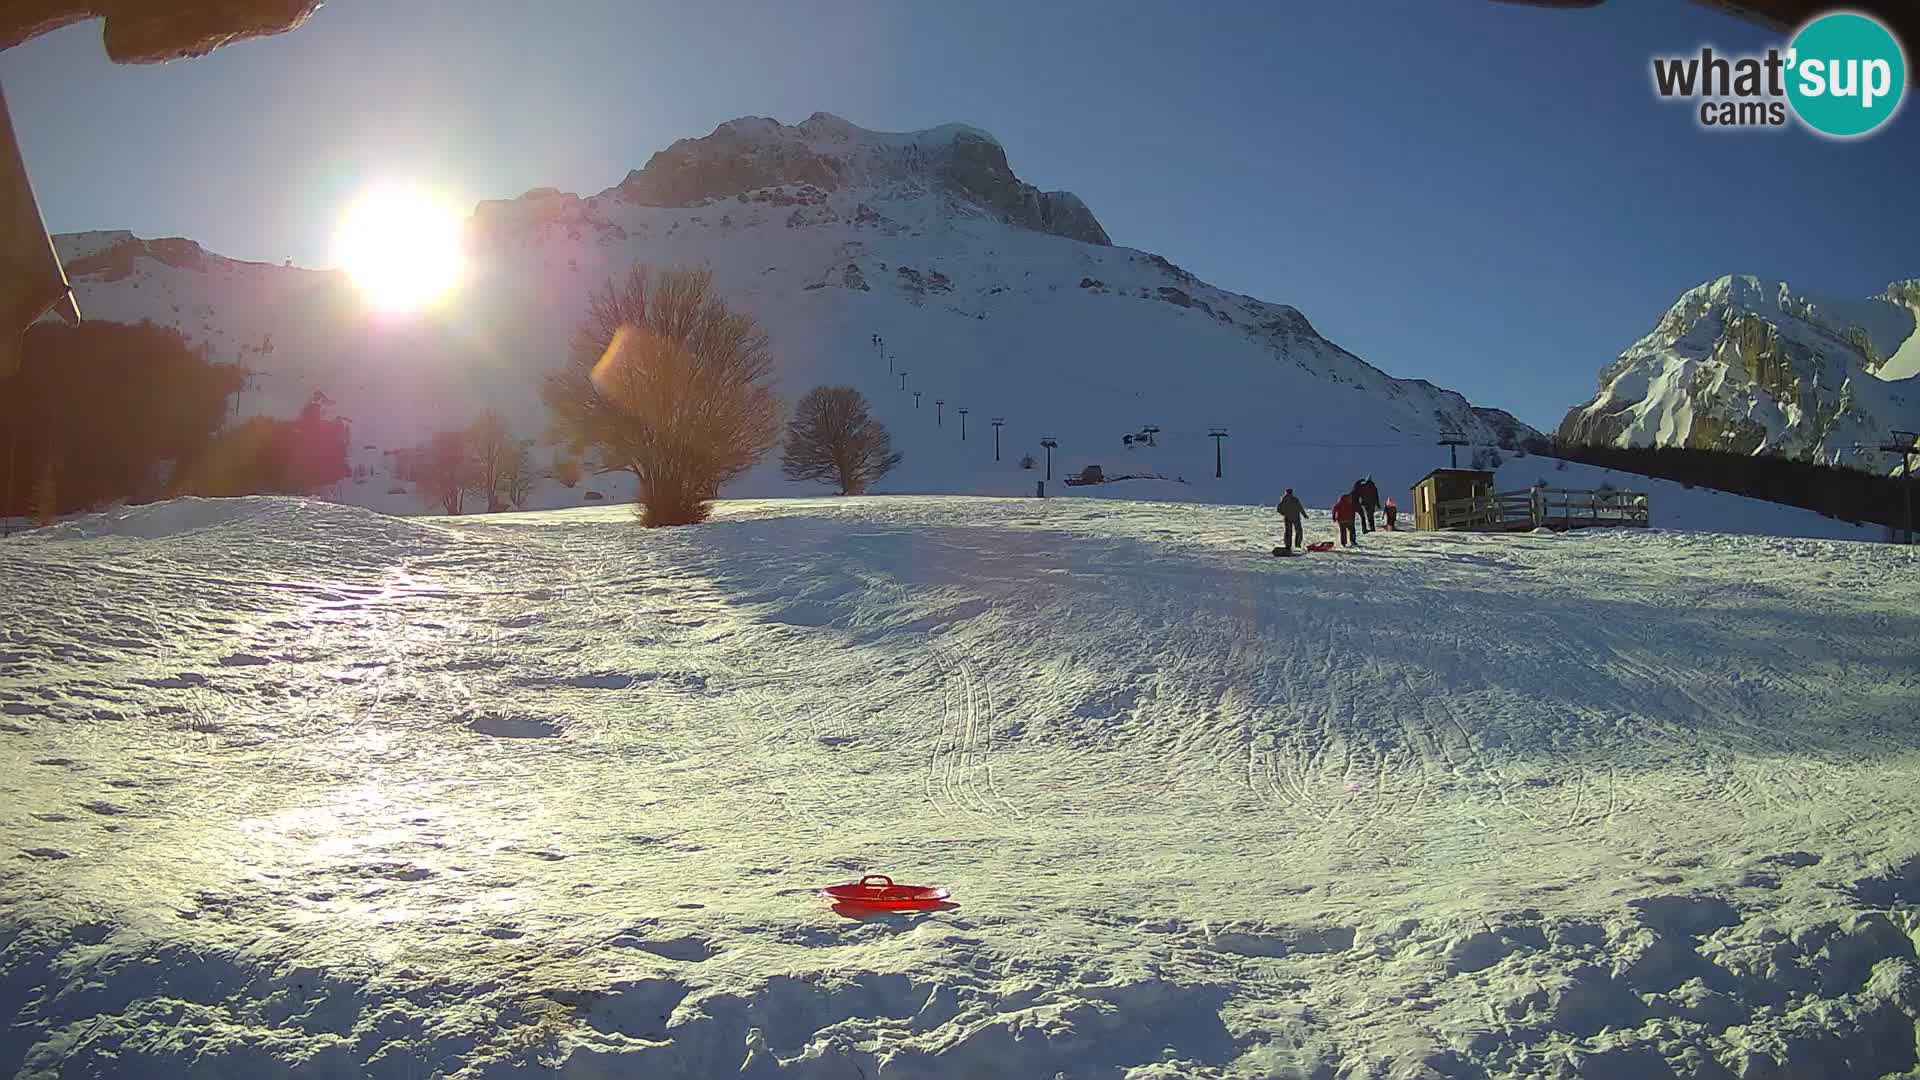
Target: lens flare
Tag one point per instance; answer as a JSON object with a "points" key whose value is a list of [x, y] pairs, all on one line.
{"points": [[402, 247]]}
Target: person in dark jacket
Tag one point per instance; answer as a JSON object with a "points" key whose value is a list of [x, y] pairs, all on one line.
{"points": [[1291, 511], [1367, 494], [1392, 512], [1343, 512]]}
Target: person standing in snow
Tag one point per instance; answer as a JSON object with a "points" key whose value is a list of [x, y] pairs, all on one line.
{"points": [[1291, 511], [1368, 495], [1343, 512], [1392, 512]]}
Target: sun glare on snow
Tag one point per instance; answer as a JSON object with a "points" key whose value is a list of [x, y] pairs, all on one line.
{"points": [[401, 247]]}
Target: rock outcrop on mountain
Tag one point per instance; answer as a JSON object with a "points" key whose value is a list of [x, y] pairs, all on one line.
{"points": [[830, 154], [1753, 366]]}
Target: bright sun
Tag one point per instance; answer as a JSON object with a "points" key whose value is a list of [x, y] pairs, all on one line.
{"points": [[402, 247]]}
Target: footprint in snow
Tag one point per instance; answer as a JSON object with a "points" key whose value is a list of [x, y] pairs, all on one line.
{"points": [[513, 726], [600, 680], [183, 681], [688, 950], [242, 659]]}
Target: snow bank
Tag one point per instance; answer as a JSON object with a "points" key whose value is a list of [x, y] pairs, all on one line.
{"points": [[177, 517], [552, 793]]}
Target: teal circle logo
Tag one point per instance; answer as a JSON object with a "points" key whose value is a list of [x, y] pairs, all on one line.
{"points": [[1845, 74]]}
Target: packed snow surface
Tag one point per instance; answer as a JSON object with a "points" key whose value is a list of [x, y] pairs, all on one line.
{"points": [[296, 789]]}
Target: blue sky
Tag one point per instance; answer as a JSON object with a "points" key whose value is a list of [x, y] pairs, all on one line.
{"points": [[1486, 196]]}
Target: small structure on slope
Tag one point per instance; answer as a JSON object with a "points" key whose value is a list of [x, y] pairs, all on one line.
{"points": [[1446, 486], [1464, 499]]}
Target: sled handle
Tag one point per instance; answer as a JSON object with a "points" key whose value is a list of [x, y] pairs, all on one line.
{"points": [[883, 880]]}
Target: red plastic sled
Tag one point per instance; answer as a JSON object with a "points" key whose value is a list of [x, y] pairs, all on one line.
{"points": [[1324, 545], [878, 890]]}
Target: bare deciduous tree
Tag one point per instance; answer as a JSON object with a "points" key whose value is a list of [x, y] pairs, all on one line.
{"points": [[516, 474], [490, 444], [832, 438], [666, 381], [445, 471]]}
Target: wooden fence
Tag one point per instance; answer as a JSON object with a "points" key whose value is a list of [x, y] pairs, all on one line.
{"points": [[1552, 508]]}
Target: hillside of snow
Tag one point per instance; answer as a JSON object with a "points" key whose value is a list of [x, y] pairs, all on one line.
{"points": [[989, 294], [1754, 366], [296, 789]]}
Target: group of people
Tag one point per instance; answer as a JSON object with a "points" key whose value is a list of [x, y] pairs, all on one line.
{"points": [[1355, 508]]}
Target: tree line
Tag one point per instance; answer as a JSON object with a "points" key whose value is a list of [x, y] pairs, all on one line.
{"points": [[105, 412], [663, 380], [482, 466]]}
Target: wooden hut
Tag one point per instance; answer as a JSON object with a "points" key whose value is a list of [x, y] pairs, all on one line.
{"points": [[1442, 485]]}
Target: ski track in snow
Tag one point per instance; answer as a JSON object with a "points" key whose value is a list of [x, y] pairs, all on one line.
{"points": [[298, 789]]}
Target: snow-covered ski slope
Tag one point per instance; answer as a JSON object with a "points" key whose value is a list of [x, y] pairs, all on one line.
{"points": [[830, 235], [294, 789]]}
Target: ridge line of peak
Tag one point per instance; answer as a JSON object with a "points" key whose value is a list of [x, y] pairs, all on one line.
{"points": [[829, 153]]}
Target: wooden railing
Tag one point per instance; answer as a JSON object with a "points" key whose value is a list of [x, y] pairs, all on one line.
{"points": [[1553, 508]]}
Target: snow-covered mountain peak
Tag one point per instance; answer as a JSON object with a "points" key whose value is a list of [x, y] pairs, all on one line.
{"points": [[830, 154], [1751, 364], [1769, 296]]}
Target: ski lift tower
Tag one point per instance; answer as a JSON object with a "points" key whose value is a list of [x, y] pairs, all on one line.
{"points": [[1453, 440], [1051, 444], [1216, 435], [1906, 444], [996, 422]]}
